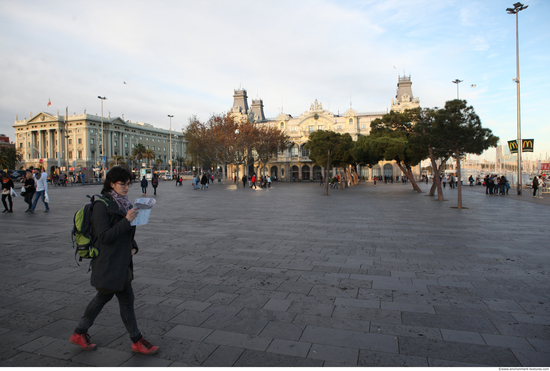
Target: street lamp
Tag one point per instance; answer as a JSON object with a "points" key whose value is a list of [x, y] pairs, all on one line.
{"points": [[102, 138], [171, 145], [457, 81], [515, 10]]}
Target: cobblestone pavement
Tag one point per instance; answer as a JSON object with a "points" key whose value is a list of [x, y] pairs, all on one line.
{"points": [[369, 276]]}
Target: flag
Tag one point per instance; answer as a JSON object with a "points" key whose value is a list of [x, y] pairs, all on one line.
{"points": [[49, 102]]}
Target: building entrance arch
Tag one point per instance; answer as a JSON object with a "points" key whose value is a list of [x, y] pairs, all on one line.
{"points": [[305, 172], [295, 173], [274, 171], [317, 172], [388, 170], [376, 171]]}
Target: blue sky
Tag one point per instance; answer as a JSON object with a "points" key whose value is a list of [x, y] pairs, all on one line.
{"points": [[185, 58]]}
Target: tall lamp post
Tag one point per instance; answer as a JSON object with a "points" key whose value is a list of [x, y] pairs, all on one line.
{"points": [[457, 81], [515, 10], [102, 139], [171, 145]]}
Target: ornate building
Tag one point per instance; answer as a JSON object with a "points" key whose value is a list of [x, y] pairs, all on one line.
{"points": [[73, 142], [294, 164]]}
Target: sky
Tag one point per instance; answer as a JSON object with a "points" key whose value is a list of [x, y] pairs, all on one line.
{"points": [[184, 58]]}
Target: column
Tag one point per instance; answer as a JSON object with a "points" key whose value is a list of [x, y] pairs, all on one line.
{"points": [[59, 142]]}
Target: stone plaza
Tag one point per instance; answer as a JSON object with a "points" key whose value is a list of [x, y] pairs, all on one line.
{"points": [[232, 276]]}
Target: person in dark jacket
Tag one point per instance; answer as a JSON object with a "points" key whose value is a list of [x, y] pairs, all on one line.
{"points": [[204, 182], [7, 185], [155, 183], [112, 269], [144, 184], [29, 189]]}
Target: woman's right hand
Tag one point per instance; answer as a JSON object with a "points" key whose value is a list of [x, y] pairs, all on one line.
{"points": [[131, 214]]}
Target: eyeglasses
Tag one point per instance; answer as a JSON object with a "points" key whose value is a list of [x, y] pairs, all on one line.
{"points": [[124, 184]]}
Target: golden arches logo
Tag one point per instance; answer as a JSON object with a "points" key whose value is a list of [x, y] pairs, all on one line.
{"points": [[528, 145]]}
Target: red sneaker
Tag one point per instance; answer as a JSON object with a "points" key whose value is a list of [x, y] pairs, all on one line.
{"points": [[145, 347], [83, 340]]}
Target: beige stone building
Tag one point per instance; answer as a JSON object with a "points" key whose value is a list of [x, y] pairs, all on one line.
{"points": [[294, 164], [73, 142]]}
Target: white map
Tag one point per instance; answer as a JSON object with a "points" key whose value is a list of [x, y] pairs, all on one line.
{"points": [[144, 205]]}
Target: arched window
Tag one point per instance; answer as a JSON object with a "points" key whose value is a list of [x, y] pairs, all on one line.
{"points": [[350, 121]]}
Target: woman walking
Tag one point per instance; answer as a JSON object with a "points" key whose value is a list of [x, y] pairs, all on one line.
{"points": [[7, 185], [29, 190], [112, 269], [155, 183]]}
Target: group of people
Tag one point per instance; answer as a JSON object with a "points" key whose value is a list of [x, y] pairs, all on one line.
{"points": [[264, 181], [34, 188], [145, 183], [495, 185]]}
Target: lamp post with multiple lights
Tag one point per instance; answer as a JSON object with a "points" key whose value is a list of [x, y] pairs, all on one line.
{"points": [[515, 10], [102, 139], [171, 145], [457, 81]]}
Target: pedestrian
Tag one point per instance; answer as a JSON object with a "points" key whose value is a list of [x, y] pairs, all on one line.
{"points": [[268, 181], [29, 190], [112, 269], [41, 185], [471, 180], [253, 181], [535, 186], [321, 183], [204, 181], [144, 185], [82, 177], [62, 178], [538, 194], [155, 183], [7, 186], [177, 180], [502, 184], [444, 180], [243, 179]]}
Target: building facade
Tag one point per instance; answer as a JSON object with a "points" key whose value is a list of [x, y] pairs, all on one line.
{"points": [[73, 143], [294, 163]]}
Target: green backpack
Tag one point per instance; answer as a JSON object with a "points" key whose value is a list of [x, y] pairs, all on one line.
{"points": [[82, 233]]}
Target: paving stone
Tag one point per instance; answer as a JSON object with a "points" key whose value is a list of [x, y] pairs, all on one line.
{"points": [[281, 330], [504, 305], [531, 318], [350, 339], [238, 340], [380, 359], [531, 358], [527, 330], [189, 332], [266, 314], [102, 357], [404, 330], [251, 358], [36, 360], [289, 347], [223, 356], [367, 314], [235, 324], [539, 344], [512, 342], [141, 360], [462, 336], [459, 352], [449, 322], [346, 356]]}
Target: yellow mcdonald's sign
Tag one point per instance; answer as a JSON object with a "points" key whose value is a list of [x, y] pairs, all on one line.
{"points": [[528, 145], [513, 146]]}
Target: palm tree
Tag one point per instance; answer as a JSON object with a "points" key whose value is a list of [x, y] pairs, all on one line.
{"points": [[139, 151], [149, 155], [9, 157], [158, 162], [117, 160]]}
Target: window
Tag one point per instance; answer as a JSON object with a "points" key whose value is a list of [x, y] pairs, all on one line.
{"points": [[310, 129], [153, 148], [116, 144], [70, 154], [320, 127], [133, 145], [293, 128], [350, 121], [165, 148], [92, 130], [79, 140], [363, 126], [339, 127], [125, 145], [282, 125], [70, 141], [305, 152], [147, 146], [153, 139], [125, 135], [79, 154], [115, 134], [79, 131], [140, 138], [147, 139], [294, 151], [92, 141], [21, 145]]}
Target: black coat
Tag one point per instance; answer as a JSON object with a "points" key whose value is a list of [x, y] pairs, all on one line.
{"points": [[114, 238]]}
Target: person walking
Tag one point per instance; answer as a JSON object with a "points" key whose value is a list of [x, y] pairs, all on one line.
{"points": [[321, 183], [155, 183], [243, 179], [268, 181], [253, 181], [204, 182], [144, 185], [29, 190], [41, 185], [113, 269], [535, 186], [7, 186]]}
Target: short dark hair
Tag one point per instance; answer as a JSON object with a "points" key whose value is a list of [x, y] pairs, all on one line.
{"points": [[116, 174]]}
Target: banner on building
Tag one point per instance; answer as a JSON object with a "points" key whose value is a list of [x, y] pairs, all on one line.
{"points": [[545, 166], [528, 146]]}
